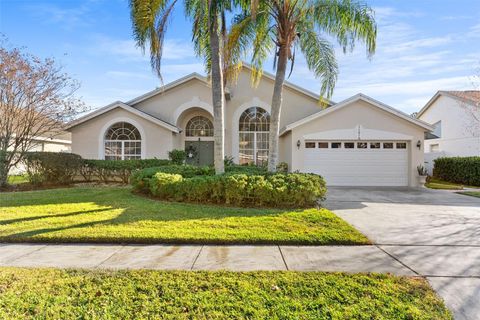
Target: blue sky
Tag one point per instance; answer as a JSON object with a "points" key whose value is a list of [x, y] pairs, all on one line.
{"points": [[422, 46]]}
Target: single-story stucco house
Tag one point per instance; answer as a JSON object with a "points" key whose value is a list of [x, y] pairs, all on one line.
{"points": [[357, 142]]}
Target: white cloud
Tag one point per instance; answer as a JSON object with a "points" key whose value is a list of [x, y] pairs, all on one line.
{"points": [[126, 49]]}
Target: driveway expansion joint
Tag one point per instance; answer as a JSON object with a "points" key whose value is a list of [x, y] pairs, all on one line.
{"points": [[398, 260]]}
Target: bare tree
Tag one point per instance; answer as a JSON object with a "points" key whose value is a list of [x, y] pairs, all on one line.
{"points": [[36, 100], [470, 103]]}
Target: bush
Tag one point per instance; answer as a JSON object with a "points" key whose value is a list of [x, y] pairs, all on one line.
{"points": [[275, 190], [51, 167], [177, 156], [115, 170], [141, 179], [464, 170]]}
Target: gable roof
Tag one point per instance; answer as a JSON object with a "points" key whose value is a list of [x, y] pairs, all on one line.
{"points": [[169, 86], [469, 96], [126, 107], [352, 99], [201, 78]]}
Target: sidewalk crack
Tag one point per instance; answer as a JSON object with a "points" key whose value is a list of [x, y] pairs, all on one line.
{"points": [[196, 258], [113, 253], [283, 258]]}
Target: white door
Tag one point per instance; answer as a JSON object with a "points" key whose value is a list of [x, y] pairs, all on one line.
{"points": [[365, 163]]}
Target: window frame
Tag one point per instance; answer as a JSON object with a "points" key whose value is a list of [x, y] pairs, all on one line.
{"points": [[122, 155], [259, 136]]}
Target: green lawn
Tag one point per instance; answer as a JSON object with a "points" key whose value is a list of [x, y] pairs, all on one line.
{"points": [[443, 185], [471, 193], [114, 214], [17, 179], [74, 294]]}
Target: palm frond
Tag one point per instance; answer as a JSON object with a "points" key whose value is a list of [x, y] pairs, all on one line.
{"points": [[347, 21], [320, 58]]}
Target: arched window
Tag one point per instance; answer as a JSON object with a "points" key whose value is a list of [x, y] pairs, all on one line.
{"points": [[199, 126], [254, 125], [123, 142]]}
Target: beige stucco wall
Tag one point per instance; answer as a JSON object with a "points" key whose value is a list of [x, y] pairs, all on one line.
{"points": [[87, 138], [369, 117], [172, 106]]}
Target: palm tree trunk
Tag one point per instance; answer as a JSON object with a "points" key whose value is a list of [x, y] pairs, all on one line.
{"points": [[217, 99], [276, 109]]}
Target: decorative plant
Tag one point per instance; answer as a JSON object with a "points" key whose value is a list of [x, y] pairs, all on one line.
{"points": [[422, 171], [177, 156]]}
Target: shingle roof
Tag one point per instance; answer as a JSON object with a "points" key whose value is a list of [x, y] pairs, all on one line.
{"points": [[472, 95]]}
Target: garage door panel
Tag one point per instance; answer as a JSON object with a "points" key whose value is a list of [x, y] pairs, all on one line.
{"points": [[359, 167]]}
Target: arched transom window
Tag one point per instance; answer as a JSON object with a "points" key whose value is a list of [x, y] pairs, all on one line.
{"points": [[199, 126], [123, 142], [254, 125]]}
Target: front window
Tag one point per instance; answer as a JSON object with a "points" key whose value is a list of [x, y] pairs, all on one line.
{"points": [[123, 142], [199, 126], [254, 126]]}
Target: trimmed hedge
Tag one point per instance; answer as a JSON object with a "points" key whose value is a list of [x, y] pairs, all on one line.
{"points": [[52, 167], [65, 168], [273, 190], [115, 170], [141, 179], [464, 170]]}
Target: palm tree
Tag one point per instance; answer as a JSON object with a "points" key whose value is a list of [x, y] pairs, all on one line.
{"points": [[287, 25], [150, 21]]}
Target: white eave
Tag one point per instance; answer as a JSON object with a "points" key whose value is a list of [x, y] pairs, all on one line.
{"points": [[436, 96], [350, 100], [126, 107]]}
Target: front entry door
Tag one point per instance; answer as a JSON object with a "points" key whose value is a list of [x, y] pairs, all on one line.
{"points": [[199, 153]]}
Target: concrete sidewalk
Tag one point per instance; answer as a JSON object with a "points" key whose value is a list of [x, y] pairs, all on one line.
{"points": [[203, 257]]}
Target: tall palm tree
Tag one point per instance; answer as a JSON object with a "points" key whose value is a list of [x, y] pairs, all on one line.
{"points": [[150, 21], [288, 25]]}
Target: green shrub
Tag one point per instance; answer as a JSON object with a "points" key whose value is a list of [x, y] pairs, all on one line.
{"points": [[177, 156], [116, 170], [164, 185], [273, 190], [464, 170], [140, 179], [52, 167]]}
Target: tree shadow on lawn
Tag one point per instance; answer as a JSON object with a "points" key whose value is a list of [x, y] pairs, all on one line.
{"points": [[134, 208]]}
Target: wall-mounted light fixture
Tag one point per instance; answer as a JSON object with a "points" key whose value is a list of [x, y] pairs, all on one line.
{"points": [[419, 144], [298, 144]]}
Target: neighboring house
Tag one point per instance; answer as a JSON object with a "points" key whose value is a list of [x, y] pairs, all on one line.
{"points": [[61, 142], [455, 116], [359, 141]]}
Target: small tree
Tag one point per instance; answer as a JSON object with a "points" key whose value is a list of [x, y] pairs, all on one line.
{"points": [[36, 99]]}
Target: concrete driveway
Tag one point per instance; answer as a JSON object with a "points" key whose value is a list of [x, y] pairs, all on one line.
{"points": [[434, 233]]}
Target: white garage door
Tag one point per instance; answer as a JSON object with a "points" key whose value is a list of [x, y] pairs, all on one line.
{"points": [[366, 163]]}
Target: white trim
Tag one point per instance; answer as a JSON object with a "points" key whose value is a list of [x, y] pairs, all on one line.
{"points": [[255, 102], [194, 103], [101, 137], [351, 100], [168, 86], [52, 140], [437, 95], [119, 104], [357, 133]]}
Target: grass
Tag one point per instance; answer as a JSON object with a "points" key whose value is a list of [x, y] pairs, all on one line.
{"points": [[115, 215], [75, 294], [17, 179], [443, 185], [471, 193]]}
